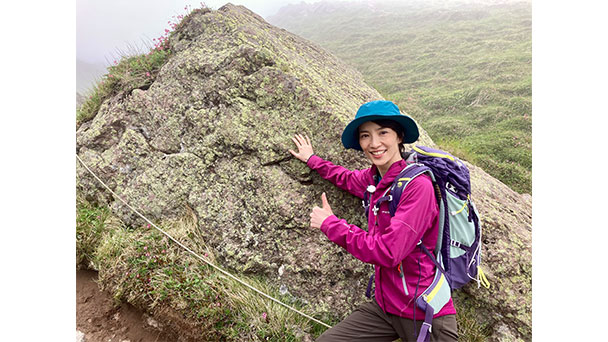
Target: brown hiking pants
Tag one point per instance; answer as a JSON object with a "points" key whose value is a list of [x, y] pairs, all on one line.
{"points": [[369, 323]]}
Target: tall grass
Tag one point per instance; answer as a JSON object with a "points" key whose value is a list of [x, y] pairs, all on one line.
{"points": [[135, 72], [142, 266], [132, 70]]}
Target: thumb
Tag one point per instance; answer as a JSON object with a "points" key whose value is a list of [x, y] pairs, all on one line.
{"points": [[325, 203]]}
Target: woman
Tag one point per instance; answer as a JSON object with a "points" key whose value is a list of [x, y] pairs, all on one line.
{"points": [[379, 130]]}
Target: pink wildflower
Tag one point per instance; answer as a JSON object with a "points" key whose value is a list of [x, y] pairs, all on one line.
{"points": [[148, 74], [264, 316], [145, 248]]}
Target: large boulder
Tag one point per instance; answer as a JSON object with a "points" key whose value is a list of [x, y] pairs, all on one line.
{"points": [[211, 134]]}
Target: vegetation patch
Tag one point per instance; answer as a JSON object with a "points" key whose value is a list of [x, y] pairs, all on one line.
{"points": [[142, 266], [132, 72]]}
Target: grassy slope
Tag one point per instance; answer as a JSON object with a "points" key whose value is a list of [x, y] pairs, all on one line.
{"points": [[462, 71]]}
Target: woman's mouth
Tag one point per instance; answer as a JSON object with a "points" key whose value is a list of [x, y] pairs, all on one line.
{"points": [[377, 154]]}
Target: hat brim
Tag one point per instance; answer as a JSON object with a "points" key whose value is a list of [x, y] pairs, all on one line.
{"points": [[351, 140]]}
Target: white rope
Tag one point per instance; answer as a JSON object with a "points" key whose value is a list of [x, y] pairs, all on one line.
{"points": [[198, 256]]}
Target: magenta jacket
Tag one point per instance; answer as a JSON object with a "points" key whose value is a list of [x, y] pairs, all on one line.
{"points": [[389, 240]]}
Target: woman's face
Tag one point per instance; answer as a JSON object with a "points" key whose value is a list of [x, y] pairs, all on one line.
{"points": [[380, 145]]}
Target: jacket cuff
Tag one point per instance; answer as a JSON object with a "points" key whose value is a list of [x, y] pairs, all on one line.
{"points": [[312, 160], [328, 222]]}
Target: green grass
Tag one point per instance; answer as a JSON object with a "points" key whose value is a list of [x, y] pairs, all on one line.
{"points": [[142, 266], [135, 72], [469, 330], [463, 72], [91, 222]]}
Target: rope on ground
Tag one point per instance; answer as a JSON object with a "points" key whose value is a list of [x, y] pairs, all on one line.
{"points": [[198, 256]]}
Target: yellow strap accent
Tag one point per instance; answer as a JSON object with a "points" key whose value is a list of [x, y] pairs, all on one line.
{"points": [[433, 154], [482, 278], [463, 206], [404, 179], [436, 289]]}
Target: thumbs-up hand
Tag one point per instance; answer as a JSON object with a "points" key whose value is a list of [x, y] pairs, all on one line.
{"points": [[318, 215]]}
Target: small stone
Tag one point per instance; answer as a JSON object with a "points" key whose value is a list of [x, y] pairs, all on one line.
{"points": [[283, 289], [152, 322]]}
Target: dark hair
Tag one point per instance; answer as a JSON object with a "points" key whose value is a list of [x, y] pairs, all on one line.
{"points": [[395, 126]]}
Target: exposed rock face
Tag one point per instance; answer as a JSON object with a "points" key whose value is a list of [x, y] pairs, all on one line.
{"points": [[212, 133]]}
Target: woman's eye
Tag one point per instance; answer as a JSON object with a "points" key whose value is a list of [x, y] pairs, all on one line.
{"points": [[383, 132]]}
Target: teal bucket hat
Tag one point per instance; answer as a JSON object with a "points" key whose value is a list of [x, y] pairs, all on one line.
{"points": [[378, 110]]}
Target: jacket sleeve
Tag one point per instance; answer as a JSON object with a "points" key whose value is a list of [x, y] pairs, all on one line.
{"points": [[414, 215], [355, 182]]}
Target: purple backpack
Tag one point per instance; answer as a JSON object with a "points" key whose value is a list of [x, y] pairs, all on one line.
{"points": [[458, 249]]}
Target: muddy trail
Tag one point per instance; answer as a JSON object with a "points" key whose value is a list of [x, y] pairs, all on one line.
{"points": [[100, 320]]}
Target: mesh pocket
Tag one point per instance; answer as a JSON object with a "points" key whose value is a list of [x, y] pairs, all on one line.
{"points": [[462, 232]]}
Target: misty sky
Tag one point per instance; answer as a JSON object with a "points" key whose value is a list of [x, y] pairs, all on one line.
{"points": [[108, 29]]}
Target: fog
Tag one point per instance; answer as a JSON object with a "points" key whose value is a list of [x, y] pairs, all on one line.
{"points": [[106, 30]]}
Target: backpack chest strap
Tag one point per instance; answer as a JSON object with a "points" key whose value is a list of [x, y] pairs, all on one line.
{"points": [[386, 197]]}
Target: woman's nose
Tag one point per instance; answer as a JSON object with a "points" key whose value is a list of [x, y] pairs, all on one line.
{"points": [[375, 142]]}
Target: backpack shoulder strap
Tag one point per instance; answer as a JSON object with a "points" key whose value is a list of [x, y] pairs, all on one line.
{"points": [[403, 179]]}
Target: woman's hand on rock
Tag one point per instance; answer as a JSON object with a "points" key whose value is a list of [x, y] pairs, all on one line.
{"points": [[304, 147], [318, 215]]}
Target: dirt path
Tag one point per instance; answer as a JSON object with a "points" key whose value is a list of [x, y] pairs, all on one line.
{"points": [[101, 321]]}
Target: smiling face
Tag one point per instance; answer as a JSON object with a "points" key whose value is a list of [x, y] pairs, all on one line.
{"points": [[380, 145]]}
